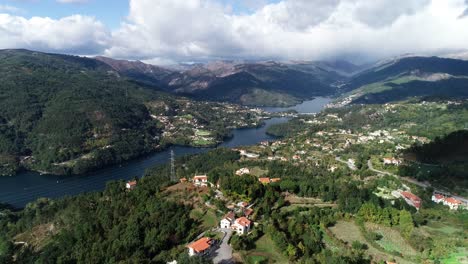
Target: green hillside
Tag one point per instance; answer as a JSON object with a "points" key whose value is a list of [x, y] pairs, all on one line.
{"points": [[68, 114], [425, 78]]}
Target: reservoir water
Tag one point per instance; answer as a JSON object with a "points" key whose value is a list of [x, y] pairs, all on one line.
{"points": [[28, 186]]}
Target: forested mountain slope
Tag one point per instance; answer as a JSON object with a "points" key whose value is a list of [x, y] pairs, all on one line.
{"points": [[70, 111], [410, 77]]}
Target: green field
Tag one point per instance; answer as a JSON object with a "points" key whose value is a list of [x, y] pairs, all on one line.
{"points": [[202, 133], [459, 257], [265, 249]]}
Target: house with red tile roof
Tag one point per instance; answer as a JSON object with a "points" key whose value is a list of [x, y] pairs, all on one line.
{"points": [[200, 180], [248, 212], [241, 225], [437, 198], [411, 199], [200, 246], [131, 185], [453, 203]]}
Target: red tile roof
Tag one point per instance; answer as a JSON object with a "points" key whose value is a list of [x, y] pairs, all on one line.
{"points": [[243, 221], [230, 216], [439, 196], [275, 179], [264, 180], [452, 200], [415, 199], [201, 245], [248, 211]]}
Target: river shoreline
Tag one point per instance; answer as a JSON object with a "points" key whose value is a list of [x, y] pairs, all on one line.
{"points": [[28, 186]]}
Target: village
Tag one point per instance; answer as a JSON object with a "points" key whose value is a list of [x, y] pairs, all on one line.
{"points": [[369, 153], [197, 123]]}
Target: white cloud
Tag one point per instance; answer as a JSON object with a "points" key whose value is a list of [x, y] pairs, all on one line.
{"points": [[73, 34], [290, 29], [190, 30]]}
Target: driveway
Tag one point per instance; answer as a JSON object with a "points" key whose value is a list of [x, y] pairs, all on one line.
{"points": [[223, 254], [350, 165]]}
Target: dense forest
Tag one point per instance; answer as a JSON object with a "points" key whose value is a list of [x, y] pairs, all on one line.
{"points": [[69, 111], [445, 161]]}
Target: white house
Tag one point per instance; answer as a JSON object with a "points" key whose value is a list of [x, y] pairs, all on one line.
{"points": [[241, 225], [437, 198], [453, 203], [228, 220], [391, 161], [200, 180]]}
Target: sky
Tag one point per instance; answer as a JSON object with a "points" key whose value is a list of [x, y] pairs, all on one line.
{"points": [[169, 31]]}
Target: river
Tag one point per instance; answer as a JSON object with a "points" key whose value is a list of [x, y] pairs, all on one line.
{"points": [[28, 186]]}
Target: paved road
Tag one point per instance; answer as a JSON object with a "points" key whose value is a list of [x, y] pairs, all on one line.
{"points": [[223, 254]]}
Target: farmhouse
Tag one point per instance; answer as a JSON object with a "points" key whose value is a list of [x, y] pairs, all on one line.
{"points": [[200, 180], [200, 246]]}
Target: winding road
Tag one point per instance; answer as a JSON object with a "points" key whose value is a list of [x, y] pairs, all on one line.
{"points": [[415, 182]]}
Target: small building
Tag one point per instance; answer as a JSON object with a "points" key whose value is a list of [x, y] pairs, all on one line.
{"points": [[272, 180], [264, 180], [200, 247], [242, 204], [183, 180], [248, 212], [453, 203], [391, 161], [131, 185], [242, 171], [437, 198], [228, 220], [200, 180], [241, 225], [411, 199]]}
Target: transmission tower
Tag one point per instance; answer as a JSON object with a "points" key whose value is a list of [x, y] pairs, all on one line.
{"points": [[173, 176]]}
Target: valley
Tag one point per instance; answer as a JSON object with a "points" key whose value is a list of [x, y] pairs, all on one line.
{"points": [[376, 174]]}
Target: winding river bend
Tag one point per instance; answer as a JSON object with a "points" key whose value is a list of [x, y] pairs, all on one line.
{"points": [[28, 186]]}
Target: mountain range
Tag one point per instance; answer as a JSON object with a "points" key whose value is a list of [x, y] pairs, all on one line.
{"points": [[248, 83], [68, 110]]}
